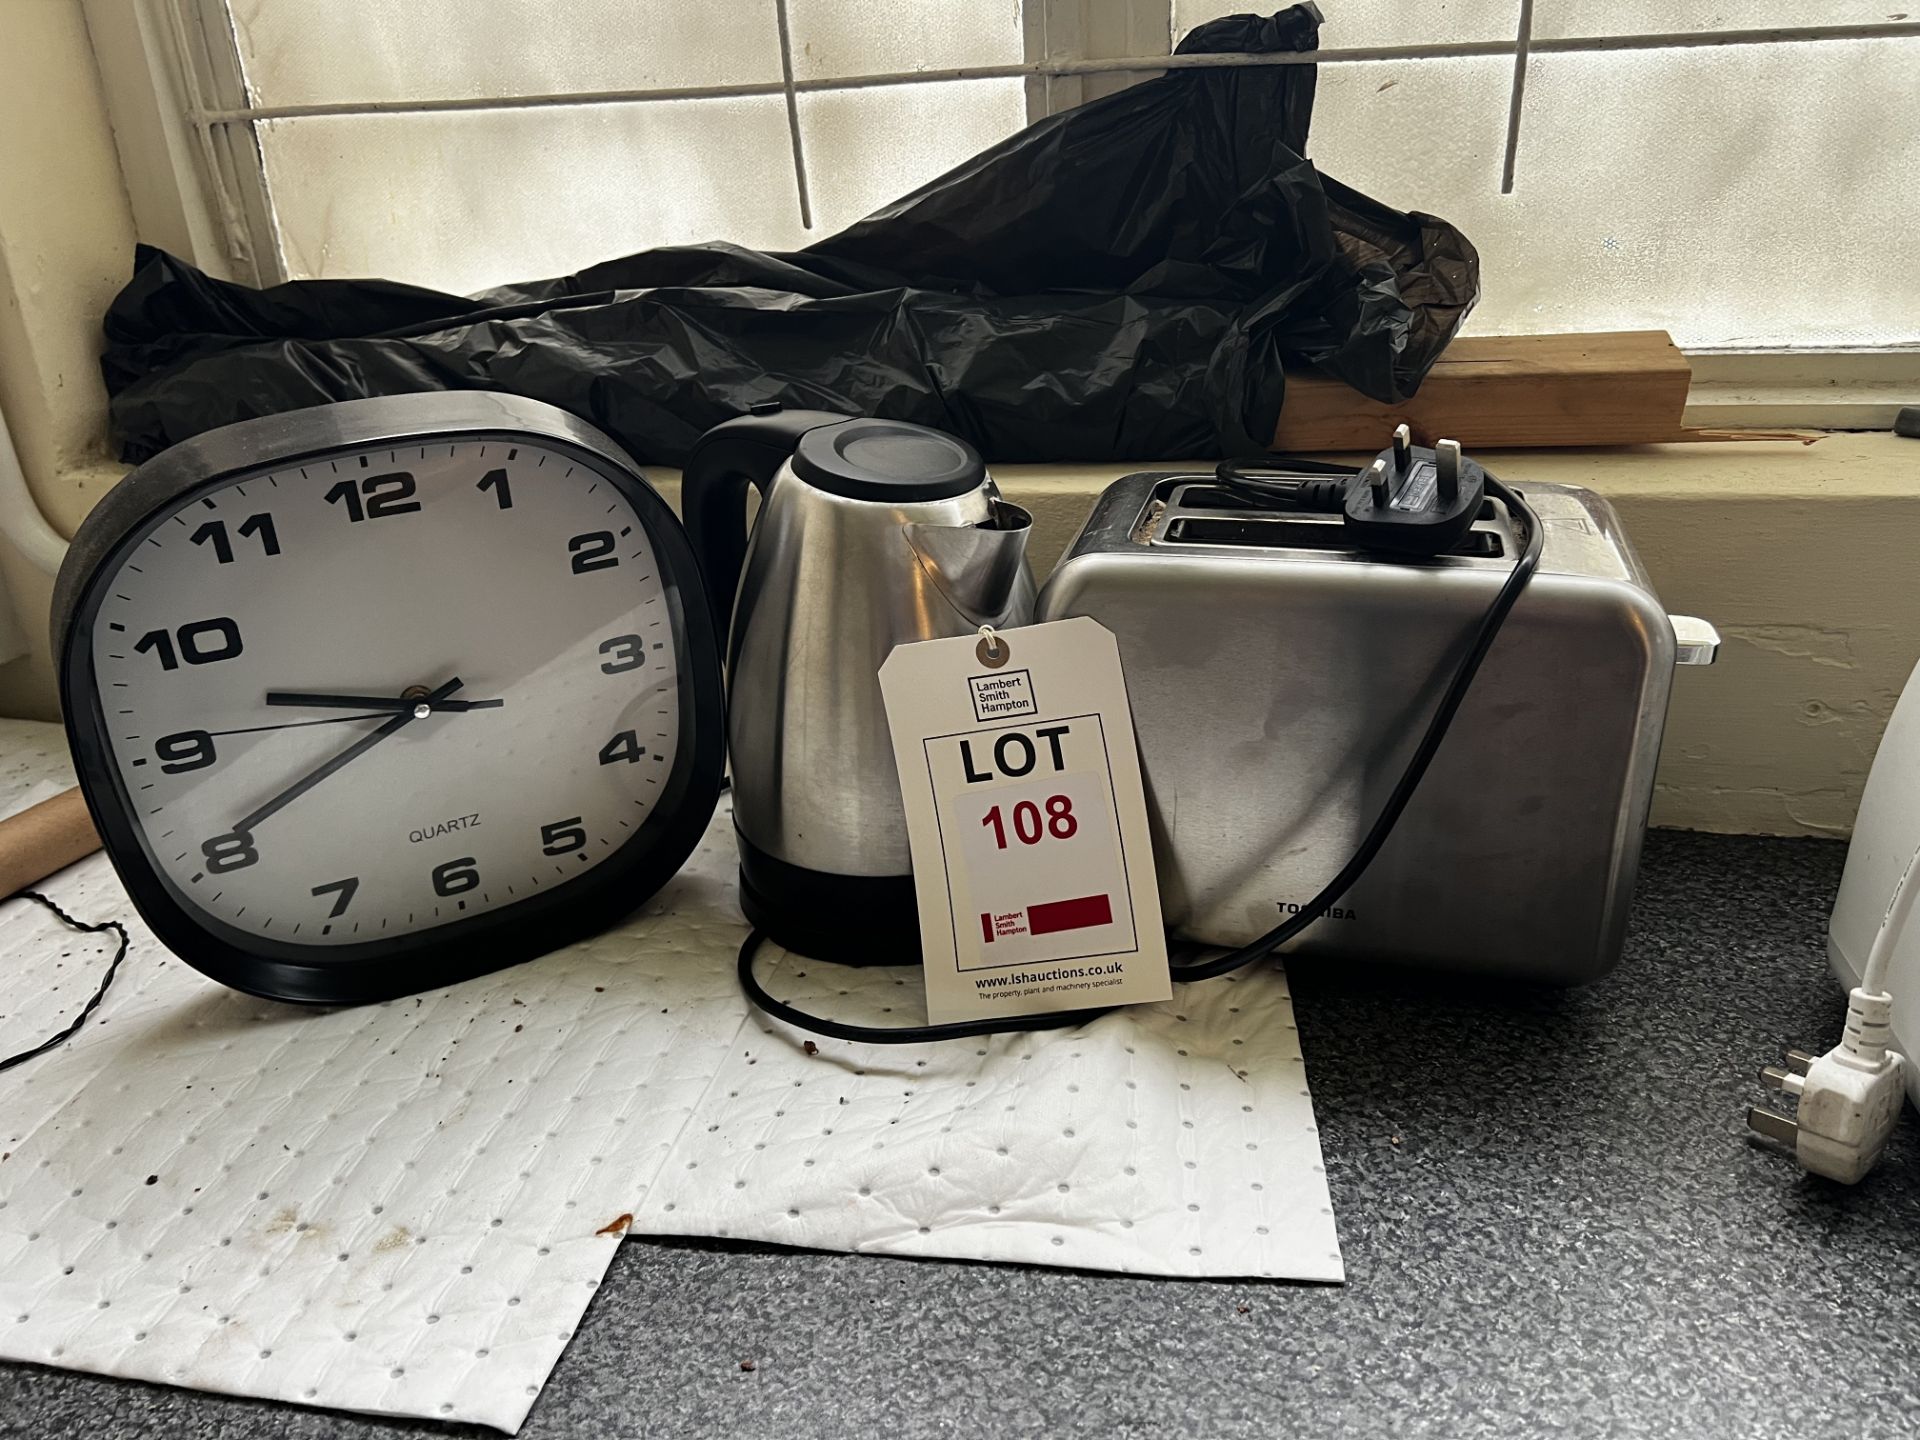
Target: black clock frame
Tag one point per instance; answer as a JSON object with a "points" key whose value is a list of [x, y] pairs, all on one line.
{"points": [[376, 970]]}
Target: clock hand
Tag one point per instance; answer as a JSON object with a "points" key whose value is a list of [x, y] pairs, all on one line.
{"points": [[388, 704], [346, 757], [296, 724]]}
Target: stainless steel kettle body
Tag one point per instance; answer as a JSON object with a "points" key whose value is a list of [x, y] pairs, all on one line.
{"points": [[870, 534]]}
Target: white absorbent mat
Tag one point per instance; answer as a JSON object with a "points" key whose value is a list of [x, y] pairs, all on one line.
{"points": [[399, 1208]]}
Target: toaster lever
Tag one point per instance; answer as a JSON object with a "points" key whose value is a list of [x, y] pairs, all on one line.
{"points": [[1695, 642]]}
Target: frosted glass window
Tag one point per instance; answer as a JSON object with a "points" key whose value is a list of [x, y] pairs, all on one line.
{"points": [[1748, 196], [1379, 22], [1740, 196], [835, 38], [1556, 18], [1417, 134], [466, 200], [928, 130], [304, 52]]}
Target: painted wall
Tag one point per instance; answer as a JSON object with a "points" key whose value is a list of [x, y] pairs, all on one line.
{"points": [[1804, 558], [66, 243]]}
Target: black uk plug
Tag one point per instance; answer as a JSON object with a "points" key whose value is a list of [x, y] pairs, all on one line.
{"points": [[1414, 501]]}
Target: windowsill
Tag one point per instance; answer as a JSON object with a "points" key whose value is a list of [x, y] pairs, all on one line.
{"points": [[1836, 390]]}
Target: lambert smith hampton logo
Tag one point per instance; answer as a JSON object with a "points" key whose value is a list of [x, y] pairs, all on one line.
{"points": [[1002, 696]]}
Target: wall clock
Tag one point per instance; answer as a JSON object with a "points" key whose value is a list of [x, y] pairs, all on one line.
{"points": [[376, 696]]}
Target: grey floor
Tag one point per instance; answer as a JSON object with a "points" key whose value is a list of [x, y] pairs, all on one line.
{"points": [[1551, 1219]]}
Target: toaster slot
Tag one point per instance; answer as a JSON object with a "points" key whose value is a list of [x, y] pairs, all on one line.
{"points": [[1190, 497], [1279, 532]]}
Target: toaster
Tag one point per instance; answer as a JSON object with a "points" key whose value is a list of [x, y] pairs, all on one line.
{"points": [[1280, 680]]}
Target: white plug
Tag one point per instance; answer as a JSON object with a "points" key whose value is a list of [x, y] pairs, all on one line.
{"points": [[1849, 1097]]}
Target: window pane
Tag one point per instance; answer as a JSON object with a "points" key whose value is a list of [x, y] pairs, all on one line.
{"points": [[833, 38], [1380, 22], [462, 201], [929, 129], [1429, 135], [1749, 196], [300, 52], [1664, 17]]}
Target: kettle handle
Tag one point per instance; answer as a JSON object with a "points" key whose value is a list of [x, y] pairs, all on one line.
{"points": [[713, 492]]}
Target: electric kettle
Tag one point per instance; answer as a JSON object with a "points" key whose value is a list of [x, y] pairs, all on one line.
{"points": [[870, 533]]}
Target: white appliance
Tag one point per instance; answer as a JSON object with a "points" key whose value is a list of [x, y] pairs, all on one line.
{"points": [[1885, 838]]}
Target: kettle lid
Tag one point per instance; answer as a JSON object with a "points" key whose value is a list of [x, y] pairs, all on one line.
{"points": [[887, 460]]}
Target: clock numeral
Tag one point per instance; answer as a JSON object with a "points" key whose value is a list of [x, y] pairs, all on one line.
{"points": [[196, 648], [214, 533], [562, 836], [593, 552], [385, 495], [343, 890], [496, 481], [456, 877], [230, 852], [629, 653], [624, 746], [262, 525], [189, 750]]}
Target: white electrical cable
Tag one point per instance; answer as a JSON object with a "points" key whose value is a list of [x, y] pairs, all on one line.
{"points": [[1873, 979], [20, 518]]}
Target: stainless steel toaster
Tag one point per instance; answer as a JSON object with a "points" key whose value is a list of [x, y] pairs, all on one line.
{"points": [[1280, 680]]}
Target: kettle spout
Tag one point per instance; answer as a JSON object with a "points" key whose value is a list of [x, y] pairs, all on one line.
{"points": [[980, 569]]}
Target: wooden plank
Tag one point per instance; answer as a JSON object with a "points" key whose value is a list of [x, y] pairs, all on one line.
{"points": [[1624, 387]]}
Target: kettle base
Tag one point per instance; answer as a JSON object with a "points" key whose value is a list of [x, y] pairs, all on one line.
{"points": [[845, 919]]}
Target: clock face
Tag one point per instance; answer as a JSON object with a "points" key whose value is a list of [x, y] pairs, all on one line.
{"points": [[360, 702]]}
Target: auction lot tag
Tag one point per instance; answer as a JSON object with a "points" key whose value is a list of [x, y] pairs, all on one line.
{"points": [[1032, 862]]}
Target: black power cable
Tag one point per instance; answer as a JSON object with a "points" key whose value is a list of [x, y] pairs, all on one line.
{"points": [[113, 966], [1286, 483], [1248, 485], [896, 1034]]}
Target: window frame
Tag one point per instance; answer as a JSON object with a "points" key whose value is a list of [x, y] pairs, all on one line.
{"points": [[197, 184]]}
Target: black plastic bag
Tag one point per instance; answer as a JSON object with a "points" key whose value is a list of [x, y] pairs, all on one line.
{"points": [[1121, 281]]}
